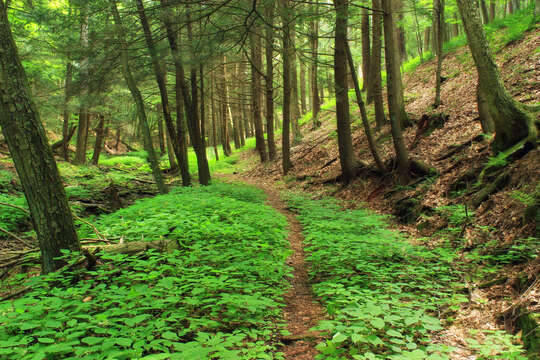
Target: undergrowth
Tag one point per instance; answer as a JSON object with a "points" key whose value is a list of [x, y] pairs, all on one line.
{"points": [[216, 297], [383, 295]]}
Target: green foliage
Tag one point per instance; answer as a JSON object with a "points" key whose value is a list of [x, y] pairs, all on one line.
{"points": [[381, 292], [217, 297], [6, 181], [456, 214], [10, 218], [497, 344]]}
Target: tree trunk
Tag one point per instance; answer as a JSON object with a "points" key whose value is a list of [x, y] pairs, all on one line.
{"points": [[137, 98], [213, 106], [366, 51], [295, 104], [84, 118], [303, 102], [314, 42], [349, 163], [161, 135], [269, 81], [492, 8], [227, 151], [394, 89], [67, 96], [376, 78], [170, 153], [438, 20], [362, 107], [286, 57], [512, 122], [256, 69], [234, 119], [427, 40], [100, 138], [33, 157], [485, 15], [178, 135], [401, 32]]}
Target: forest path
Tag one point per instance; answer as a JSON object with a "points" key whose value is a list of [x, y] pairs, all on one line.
{"points": [[302, 311]]}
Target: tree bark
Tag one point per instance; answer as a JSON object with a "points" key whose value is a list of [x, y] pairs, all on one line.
{"points": [[67, 96], [286, 56], [485, 14], [394, 89], [269, 81], [256, 69], [213, 108], [227, 151], [349, 163], [363, 113], [314, 42], [84, 118], [376, 80], [137, 98], [178, 135], [33, 157], [295, 104], [303, 102], [438, 16], [512, 122], [366, 50], [100, 138]]}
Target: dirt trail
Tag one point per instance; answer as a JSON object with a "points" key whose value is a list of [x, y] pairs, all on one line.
{"points": [[302, 311]]}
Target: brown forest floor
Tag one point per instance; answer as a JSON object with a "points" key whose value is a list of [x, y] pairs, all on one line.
{"points": [[316, 166]]}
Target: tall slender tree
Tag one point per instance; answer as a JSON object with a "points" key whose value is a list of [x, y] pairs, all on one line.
{"points": [[347, 158], [394, 89], [137, 98], [438, 20], [256, 71], [286, 56], [269, 80]]}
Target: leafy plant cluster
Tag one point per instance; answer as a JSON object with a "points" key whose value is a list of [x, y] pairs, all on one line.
{"points": [[218, 296], [381, 292]]}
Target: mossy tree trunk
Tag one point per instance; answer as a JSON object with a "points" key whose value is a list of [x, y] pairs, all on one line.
{"points": [[512, 122], [137, 98], [32, 156]]}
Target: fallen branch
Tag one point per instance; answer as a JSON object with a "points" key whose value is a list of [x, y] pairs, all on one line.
{"points": [[19, 239]]}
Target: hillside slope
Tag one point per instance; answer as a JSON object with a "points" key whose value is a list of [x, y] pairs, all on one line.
{"points": [[495, 232]]}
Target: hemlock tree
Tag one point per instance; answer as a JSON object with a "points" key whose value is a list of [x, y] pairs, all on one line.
{"points": [[512, 122], [283, 6], [137, 98], [349, 163], [395, 90], [32, 156]]}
